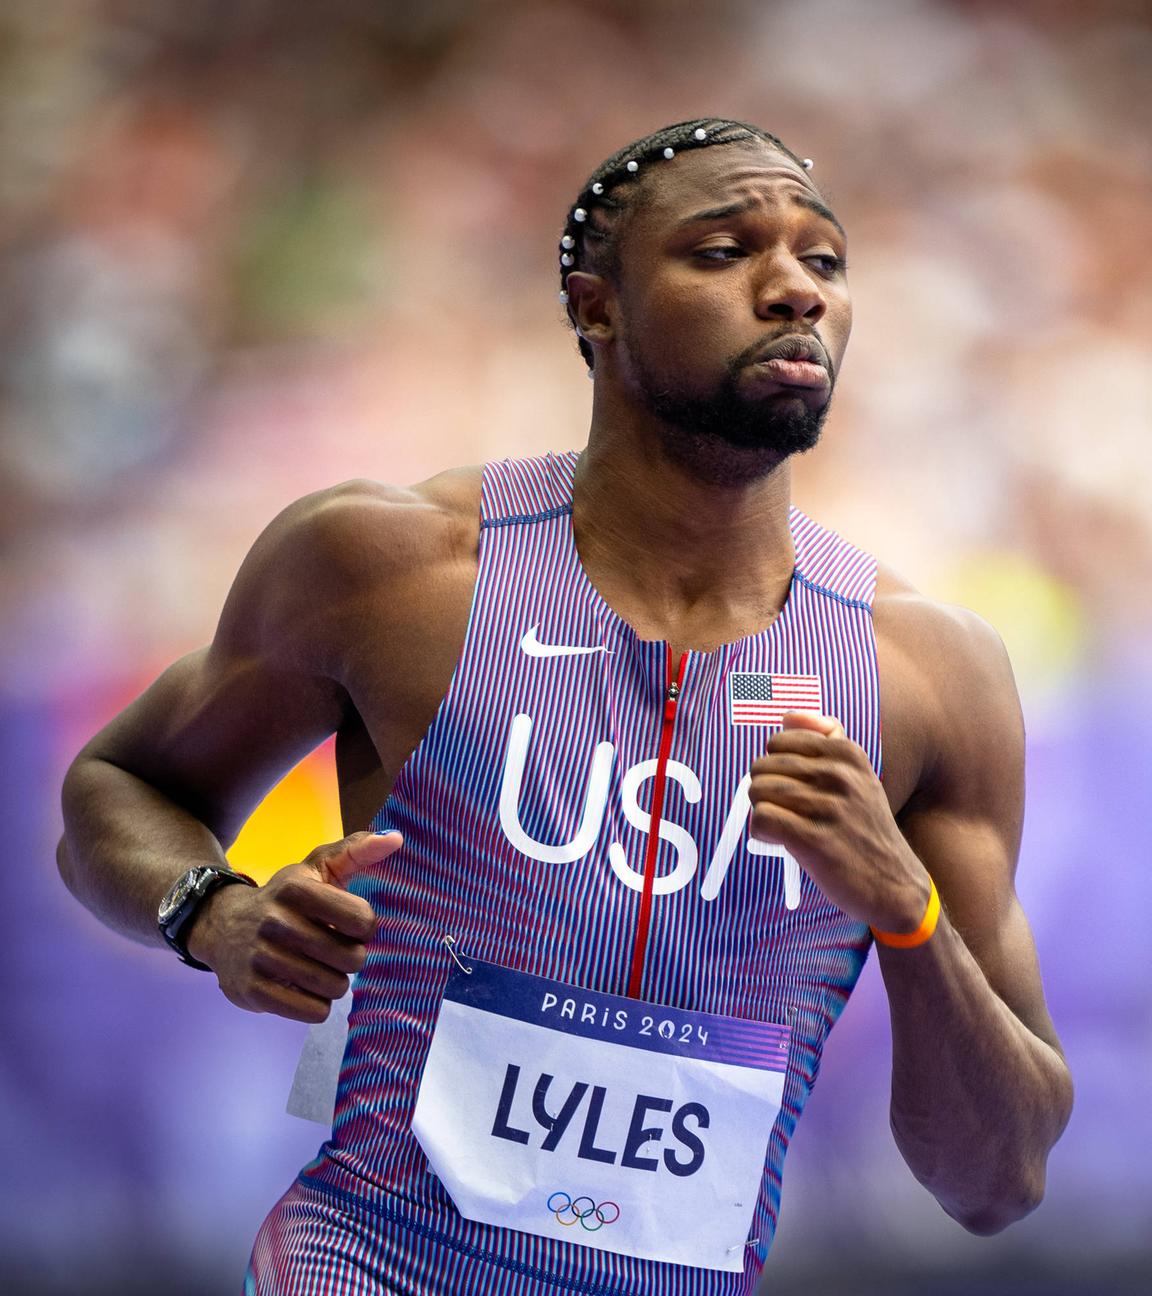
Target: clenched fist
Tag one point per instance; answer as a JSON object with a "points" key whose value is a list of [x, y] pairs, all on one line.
{"points": [[289, 946], [815, 793]]}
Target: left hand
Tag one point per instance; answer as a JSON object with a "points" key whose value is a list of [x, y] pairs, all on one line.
{"points": [[816, 794]]}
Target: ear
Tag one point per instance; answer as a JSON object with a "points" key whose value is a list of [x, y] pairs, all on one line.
{"points": [[592, 304]]}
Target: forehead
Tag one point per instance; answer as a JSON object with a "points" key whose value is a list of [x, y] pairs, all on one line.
{"points": [[708, 178]]}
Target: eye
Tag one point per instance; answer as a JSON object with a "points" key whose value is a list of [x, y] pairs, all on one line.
{"points": [[828, 264], [719, 252]]}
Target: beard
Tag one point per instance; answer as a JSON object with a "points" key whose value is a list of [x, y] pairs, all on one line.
{"points": [[725, 437]]}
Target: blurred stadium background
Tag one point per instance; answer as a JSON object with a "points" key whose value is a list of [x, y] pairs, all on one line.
{"points": [[249, 248]]}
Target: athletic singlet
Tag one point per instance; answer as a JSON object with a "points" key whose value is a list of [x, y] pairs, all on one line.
{"points": [[525, 813]]}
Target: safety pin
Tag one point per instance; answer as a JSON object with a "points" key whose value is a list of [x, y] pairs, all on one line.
{"points": [[450, 945], [741, 1245]]}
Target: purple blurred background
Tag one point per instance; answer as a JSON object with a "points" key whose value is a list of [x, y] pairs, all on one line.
{"points": [[249, 249]]}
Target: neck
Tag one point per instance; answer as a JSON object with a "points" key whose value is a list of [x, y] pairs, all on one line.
{"points": [[680, 559]]}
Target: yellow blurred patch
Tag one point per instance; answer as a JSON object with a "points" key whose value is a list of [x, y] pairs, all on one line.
{"points": [[301, 812], [1039, 617]]}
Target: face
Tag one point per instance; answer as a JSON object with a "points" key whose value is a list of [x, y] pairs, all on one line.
{"points": [[731, 311]]}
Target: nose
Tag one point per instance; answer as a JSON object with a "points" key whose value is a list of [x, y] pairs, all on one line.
{"points": [[787, 291]]}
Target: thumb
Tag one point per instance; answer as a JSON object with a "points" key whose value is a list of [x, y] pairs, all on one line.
{"points": [[829, 726], [355, 853]]}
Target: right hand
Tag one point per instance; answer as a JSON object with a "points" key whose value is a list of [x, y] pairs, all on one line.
{"points": [[290, 946]]}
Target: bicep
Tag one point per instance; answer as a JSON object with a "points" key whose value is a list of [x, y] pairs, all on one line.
{"points": [[216, 731], [223, 724]]}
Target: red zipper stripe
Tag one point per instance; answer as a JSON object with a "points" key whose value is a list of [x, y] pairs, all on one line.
{"points": [[639, 949]]}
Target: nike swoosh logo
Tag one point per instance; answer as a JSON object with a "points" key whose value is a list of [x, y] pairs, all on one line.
{"points": [[534, 648]]}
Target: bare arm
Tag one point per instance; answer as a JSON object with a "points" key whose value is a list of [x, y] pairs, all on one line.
{"points": [[980, 1091], [170, 781], [168, 784]]}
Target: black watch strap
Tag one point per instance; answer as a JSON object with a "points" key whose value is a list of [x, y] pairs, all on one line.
{"points": [[180, 906]]}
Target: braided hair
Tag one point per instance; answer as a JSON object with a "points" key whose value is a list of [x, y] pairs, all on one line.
{"points": [[590, 240]]}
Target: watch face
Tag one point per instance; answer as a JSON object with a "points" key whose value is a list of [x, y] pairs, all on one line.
{"points": [[183, 888]]}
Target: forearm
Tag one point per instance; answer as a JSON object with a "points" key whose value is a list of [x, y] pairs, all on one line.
{"points": [[124, 845], [978, 1099]]}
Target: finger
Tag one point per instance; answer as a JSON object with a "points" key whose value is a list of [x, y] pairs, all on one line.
{"points": [[319, 942], [810, 769], [356, 853], [776, 825], [273, 963], [801, 739], [328, 906], [768, 791], [806, 766], [288, 1001], [829, 726], [810, 744]]}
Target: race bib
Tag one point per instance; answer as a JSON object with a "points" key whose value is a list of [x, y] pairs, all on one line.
{"points": [[599, 1120]]}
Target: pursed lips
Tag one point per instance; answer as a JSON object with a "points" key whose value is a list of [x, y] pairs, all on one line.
{"points": [[797, 360], [793, 346]]}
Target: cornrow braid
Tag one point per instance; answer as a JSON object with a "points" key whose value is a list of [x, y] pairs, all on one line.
{"points": [[589, 241]]}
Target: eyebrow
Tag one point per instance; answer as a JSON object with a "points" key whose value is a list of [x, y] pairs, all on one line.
{"points": [[809, 201]]}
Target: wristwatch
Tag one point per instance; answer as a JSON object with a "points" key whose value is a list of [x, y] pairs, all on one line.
{"points": [[180, 906]]}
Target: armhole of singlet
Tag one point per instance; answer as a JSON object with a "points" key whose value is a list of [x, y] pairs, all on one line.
{"points": [[379, 821], [830, 565]]}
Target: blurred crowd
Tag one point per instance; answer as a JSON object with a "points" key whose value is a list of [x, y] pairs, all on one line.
{"points": [[249, 248]]}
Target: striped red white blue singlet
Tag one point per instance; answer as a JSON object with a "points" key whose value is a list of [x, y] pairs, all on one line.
{"points": [[535, 888]]}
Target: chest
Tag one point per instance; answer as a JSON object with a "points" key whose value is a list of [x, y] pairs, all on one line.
{"points": [[549, 681], [572, 765], [406, 648]]}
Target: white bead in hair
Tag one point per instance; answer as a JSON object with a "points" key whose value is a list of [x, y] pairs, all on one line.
{"points": [[699, 133], [567, 241], [597, 188], [566, 258], [633, 166], [807, 164], [579, 214], [669, 153], [563, 298]]}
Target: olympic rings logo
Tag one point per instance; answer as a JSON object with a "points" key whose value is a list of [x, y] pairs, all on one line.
{"points": [[579, 1210]]}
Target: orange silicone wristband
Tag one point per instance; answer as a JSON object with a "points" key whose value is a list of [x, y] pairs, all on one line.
{"points": [[908, 940]]}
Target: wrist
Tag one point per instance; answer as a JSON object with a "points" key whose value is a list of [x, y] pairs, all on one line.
{"points": [[905, 908], [206, 927], [186, 898], [915, 920]]}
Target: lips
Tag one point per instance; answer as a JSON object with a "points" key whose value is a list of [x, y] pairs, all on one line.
{"points": [[794, 346], [796, 360]]}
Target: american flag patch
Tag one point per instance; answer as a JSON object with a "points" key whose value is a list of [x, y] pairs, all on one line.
{"points": [[759, 699]]}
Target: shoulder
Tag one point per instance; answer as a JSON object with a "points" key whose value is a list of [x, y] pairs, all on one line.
{"points": [[366, 530], [360, 520], [939, 636], [947, 689], [327, 552]]}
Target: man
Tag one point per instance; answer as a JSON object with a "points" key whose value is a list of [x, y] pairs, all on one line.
{"points": [[615, 720]]}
